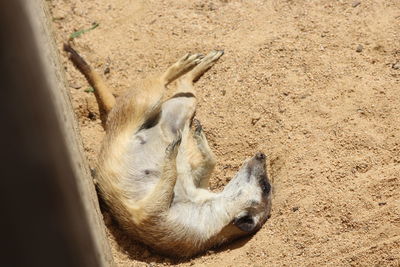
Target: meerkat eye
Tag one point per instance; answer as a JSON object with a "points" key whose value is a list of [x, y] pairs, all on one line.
{"points": [[265, 186]]}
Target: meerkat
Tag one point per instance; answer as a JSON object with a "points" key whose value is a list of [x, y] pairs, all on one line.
{"points": [[154, 165]]}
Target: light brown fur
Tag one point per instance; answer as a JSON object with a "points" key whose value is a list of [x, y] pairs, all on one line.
{"points": [[153, 168]]}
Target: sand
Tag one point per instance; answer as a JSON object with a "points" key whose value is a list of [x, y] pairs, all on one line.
{"points": [[313, 84]]}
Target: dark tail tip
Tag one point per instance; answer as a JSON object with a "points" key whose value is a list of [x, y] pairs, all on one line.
{"points": [[67, 48], [78, 61]]}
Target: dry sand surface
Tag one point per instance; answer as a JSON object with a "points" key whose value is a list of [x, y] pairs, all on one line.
{"points": [[313, 84]]}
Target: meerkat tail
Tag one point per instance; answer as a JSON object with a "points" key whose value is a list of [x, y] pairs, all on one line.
{"points": [[104, 97]]}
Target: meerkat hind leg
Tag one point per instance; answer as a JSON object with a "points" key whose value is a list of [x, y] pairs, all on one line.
{"points": [[206, 63], [180, 67]]}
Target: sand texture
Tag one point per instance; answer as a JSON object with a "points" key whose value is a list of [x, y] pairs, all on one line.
{"points": [[313, 84]]}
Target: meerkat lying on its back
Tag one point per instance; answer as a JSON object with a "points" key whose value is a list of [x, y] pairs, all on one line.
{"points": [[155, 164]]}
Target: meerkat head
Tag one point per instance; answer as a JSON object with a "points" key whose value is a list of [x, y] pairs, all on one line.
{"points": [[250, 193]]}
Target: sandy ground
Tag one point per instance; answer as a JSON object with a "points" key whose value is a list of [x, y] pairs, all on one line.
{"points": [[313, 84]]}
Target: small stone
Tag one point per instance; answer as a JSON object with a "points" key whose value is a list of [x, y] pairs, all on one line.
{"points": [[396, 65], [107, 70], [255, 118], [356, 4], [359, 48], [75, 86], [294, 209], [92, 115], [362, 167], [382, 203]]}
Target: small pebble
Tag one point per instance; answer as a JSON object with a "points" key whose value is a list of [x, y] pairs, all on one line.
{"points": [[359, 48], [75, 86], [255, 118], [356, 4], [92, 115], [382, 203], [396, 65], [294, 209]]}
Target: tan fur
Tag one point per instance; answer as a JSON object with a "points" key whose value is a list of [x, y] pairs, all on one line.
{"points": [[153, 168]]}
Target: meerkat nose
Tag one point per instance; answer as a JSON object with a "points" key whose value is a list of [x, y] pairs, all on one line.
{"points": [[260, 156]]}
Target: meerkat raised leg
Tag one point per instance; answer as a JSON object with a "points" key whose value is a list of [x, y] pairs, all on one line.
{"points": [[180, 109], [201, 169]]}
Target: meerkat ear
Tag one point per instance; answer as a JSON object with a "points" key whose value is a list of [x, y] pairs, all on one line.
{"points": [[245, 223]]}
